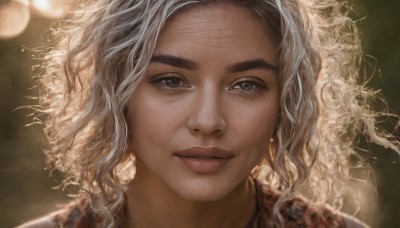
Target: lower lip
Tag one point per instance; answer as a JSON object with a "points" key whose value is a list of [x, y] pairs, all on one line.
{"points": [[204, 166]]}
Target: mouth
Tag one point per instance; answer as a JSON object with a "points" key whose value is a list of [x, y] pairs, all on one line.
{"points": [[201, 157], [204, 160], [205, 153]]}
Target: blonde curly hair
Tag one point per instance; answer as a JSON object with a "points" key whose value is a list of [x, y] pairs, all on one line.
{"points": [[98, 53]]}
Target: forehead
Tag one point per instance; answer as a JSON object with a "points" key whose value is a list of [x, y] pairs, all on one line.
{"points": [[223, 26], [260, 12], [216, 14]]}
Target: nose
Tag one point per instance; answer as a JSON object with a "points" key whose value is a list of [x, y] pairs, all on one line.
{"points": [[206, 115]]}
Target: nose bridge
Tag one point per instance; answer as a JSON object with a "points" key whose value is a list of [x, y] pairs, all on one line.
{"points": [[207, 117]]}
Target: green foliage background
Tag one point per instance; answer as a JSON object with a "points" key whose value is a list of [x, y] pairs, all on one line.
{"points": [[25, 189]]}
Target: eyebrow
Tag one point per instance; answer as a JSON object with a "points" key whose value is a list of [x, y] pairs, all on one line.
{"points": [[175, 61], [251, 64], [234, 68]]}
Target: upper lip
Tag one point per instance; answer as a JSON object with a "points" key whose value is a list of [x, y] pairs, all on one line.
{"points": [[205, 153]]}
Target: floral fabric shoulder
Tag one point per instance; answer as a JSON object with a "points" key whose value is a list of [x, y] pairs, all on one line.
{"points": [[298, 212], [76, 214]]}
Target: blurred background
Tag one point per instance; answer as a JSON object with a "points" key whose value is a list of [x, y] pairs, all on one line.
{"points": [[25, 188]]}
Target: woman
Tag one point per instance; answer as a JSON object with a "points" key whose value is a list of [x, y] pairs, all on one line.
{"points": [[205, 113]]}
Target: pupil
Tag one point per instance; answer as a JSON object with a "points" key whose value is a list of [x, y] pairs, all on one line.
{"points": [[246, 86]]}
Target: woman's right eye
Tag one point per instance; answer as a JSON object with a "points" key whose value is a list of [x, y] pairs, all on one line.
{"points": [[173, 82]]}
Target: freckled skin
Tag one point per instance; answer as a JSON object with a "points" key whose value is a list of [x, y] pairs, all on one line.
{"points": [[209, 108]]}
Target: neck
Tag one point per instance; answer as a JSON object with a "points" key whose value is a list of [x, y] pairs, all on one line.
{"points": [[160, 207]]}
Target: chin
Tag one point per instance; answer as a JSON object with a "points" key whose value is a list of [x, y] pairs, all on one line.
{"points": [[204, 192]]}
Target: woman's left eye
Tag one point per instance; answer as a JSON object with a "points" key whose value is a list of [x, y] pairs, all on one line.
{"points": [[248, 86]]}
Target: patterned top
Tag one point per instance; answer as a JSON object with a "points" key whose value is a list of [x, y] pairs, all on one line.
{"points": [[296, 213]]}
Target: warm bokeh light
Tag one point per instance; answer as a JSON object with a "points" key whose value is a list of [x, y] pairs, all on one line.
{"points": [[50, 8], [14, 16]]}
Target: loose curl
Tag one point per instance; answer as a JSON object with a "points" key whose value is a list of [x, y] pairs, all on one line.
{"points": [[98, 54]]}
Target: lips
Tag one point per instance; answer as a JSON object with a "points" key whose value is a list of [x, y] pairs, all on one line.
{"points": [[204, 160]]}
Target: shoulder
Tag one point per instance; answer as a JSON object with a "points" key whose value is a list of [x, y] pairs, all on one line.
{"points": [[75, 214], [42, 222], [352, 222], [300, 212]]}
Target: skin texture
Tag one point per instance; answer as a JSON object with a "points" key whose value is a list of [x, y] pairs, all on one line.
{"points": [[209, 100]]}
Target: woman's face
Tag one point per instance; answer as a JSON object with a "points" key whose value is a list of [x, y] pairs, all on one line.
{"points": [[203, 116]]}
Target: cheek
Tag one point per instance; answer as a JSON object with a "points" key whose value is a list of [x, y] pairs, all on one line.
{"points": [[255, 123], [253, 129], [152, 123]]}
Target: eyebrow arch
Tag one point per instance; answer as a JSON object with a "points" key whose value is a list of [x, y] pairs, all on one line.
{"points": [[175, 61], [251, 64]]}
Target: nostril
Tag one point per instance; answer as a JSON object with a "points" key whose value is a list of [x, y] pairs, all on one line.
{"points": [[198, 131]]}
